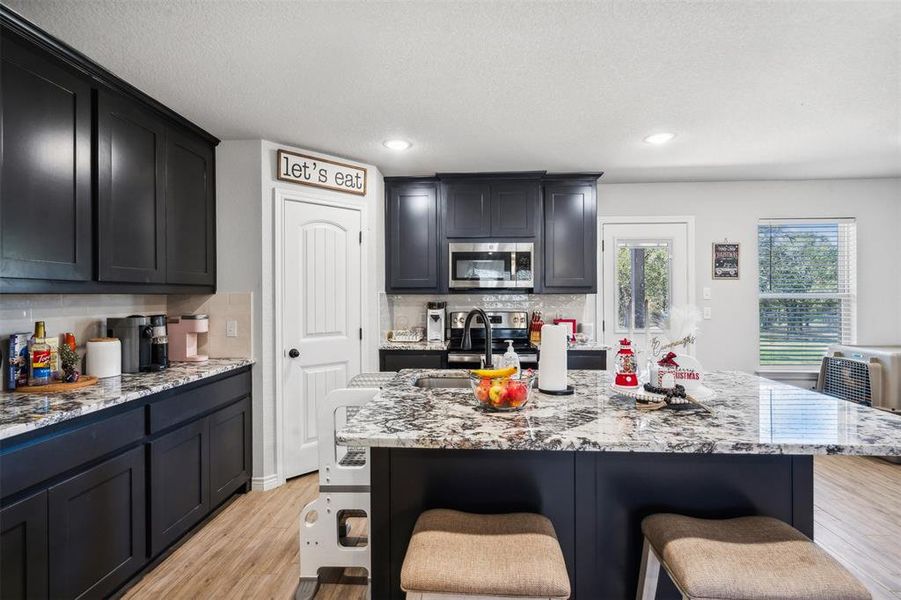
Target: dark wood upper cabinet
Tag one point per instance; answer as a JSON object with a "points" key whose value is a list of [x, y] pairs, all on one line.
{"points": [[45, 183], [514, 209], [190, 211], [97, 528], [467, 212], [102, 188], [495, 209], [131, 194], [411, 236], [570, 236], [555, 212], [24, 570]]}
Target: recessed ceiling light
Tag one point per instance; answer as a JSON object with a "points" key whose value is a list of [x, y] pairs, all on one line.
{"points": [[397, 144], [660, 138]]}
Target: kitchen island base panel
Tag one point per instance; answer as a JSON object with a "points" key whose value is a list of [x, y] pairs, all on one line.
{"points": [[596, 501]]}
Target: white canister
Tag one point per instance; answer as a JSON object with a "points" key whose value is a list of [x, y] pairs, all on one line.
{"points": [[103, 357]]}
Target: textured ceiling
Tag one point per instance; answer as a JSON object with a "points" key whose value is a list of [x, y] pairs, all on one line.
{"points": [[754, 90]]}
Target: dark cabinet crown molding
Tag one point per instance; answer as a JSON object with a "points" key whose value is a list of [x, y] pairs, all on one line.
{"points": [[411, 179], [493, 175], [16, 23], [590, 175]]}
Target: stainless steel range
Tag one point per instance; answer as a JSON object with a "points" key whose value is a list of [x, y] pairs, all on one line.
{"points": [[505, 325]]}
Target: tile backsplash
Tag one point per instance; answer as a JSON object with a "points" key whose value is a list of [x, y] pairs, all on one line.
{"points": [[221, 308], [399, 311], [85, 315], [82, 314]]}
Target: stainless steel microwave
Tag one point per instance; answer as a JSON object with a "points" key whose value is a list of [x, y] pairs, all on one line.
{"points": [[488, 265]]}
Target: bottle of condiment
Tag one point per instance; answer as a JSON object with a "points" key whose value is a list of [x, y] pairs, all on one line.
{"points": [[39, 357]]}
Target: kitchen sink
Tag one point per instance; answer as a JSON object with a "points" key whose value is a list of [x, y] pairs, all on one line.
{"points": [[442, 382]]}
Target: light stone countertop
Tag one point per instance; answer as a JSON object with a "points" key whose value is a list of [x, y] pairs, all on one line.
{"points": [[750, 415], [423, 345], [24, 412]]}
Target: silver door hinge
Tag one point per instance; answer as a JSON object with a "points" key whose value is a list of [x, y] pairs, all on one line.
{"points": [[603, 325], [361, 333], [361, 238], [602, 245]]}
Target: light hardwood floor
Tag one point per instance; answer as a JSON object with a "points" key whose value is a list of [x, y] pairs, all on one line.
{"points": [[250, 550], [857, 518]]}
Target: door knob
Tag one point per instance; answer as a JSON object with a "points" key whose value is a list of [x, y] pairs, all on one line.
{"points": [[293, 352]]}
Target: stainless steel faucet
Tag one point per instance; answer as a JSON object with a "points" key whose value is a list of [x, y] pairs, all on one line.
{"points": [[467, 340]]}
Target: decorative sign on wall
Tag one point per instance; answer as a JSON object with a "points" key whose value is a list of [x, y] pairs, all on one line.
{"points": [[321, 172], [725, 260]]}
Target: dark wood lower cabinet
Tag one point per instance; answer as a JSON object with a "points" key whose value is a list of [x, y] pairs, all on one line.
{"points": [[24, 567], [229, 450], [106, 494], [395, 360], [589, 360], [97, 528], [179, 483]]}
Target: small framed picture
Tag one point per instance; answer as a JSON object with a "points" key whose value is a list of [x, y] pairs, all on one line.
{"points": [[570, 326], [725, 260]]}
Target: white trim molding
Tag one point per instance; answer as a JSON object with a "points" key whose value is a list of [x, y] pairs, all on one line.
{"points": [[264, 484]]}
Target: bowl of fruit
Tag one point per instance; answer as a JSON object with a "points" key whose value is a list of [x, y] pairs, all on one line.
{"points": [[498, 390]]}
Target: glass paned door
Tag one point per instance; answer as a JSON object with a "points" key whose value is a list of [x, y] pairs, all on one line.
{"points": [[643, 283], [645, 274]]}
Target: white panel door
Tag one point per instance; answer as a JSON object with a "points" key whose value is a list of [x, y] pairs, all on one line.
{"points": [[321, 314], [645, 269]]}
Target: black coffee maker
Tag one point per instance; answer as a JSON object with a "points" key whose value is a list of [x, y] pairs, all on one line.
{"points": [[135, 335], [159, 343]]}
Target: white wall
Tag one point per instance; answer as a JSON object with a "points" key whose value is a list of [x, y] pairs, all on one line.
{"points": [[246, 186], [239, 248], [732, 210]]}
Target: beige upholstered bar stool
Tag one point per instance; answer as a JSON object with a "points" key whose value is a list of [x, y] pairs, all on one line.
{"points": [[748, 558], [460, 555]]}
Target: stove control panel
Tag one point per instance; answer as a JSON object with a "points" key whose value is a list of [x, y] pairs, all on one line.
{"points": [[498, 319]]}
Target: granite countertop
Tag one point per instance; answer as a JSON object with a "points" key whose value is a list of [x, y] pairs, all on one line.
{"points": [[586, 346], [423, 345], [23, 412], [750, 415], [441, 346]]}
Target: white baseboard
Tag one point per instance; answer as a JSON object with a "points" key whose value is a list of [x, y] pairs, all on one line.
{"points": [[265, 483]]}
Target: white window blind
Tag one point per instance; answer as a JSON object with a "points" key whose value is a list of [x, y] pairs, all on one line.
{"points": [[807, 288]]}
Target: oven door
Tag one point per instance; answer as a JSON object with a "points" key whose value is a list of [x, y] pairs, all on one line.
{"points": [[490, 266]]}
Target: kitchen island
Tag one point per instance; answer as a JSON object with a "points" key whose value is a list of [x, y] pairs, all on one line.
{"points": [[595, 465]]}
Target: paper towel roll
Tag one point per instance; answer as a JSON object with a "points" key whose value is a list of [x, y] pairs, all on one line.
{"points": [[103, 357], [552, 358]]}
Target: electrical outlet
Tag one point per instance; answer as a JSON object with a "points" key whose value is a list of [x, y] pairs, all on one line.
{"points": [[231, 329], [708, 314], [706, 293]]}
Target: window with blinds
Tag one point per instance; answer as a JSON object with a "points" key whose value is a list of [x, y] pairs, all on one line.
{"points": [[807, 289]]}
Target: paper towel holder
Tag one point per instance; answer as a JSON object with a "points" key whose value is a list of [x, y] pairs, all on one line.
{"points": [[569, 391]]}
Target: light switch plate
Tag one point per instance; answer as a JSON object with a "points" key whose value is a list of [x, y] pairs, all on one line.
{"points": [[708, 314], [706, 293], [231, 329]]}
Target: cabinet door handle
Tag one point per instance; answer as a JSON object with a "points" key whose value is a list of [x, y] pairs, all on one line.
{"points": [[293, 352]]}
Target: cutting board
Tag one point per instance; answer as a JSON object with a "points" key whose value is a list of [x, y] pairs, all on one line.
{"points": [[59, 387]]}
